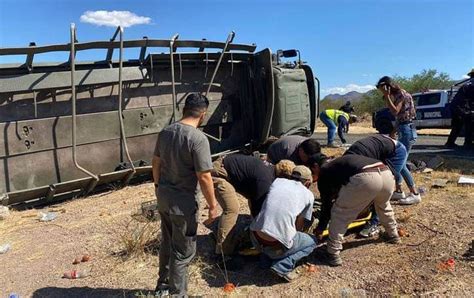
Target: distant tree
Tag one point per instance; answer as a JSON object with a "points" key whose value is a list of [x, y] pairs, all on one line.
{"points": [[426, 79], [328, 103]]}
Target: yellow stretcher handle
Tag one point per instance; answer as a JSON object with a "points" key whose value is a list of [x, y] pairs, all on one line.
{"points": [[356, 223]]}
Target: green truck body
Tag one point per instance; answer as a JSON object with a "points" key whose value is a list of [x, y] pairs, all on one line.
{"points": [[53, 147]]}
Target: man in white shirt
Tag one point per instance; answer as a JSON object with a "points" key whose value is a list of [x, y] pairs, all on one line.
{"points": [[286, 211]]}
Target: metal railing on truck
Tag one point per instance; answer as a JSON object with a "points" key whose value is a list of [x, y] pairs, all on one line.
{"points": [[84, 186]]}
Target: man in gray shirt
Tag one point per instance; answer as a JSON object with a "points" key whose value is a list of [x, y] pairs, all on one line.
{"points": [[182, 158], [286, 211], [298, 149]]}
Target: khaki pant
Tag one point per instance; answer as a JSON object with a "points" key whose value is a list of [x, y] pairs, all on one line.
{"points": [[227, 197], [362, 189]]}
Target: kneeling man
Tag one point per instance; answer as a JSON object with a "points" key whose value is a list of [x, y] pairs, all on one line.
{"points": [[286, 211]]}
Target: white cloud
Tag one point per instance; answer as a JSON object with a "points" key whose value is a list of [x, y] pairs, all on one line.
{"points": [[113, 18], [465, 77], [348, 88]]}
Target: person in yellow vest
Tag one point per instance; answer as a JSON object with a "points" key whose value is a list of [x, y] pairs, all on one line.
{"points": [[336, 120]]}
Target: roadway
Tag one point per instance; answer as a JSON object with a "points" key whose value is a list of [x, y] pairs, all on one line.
{"points": [[425, 145]]}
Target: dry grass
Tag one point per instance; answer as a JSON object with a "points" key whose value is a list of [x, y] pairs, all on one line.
{"points": [[136, 238], [439, 228]]}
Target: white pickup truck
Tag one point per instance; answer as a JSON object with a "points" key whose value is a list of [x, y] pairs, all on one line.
{"points": [[432, 108]]}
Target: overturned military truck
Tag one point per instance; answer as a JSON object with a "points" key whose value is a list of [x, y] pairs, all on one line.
{"points": [[69, 128]]}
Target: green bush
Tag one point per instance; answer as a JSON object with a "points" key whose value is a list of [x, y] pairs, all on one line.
{"points": [[373, 100]]}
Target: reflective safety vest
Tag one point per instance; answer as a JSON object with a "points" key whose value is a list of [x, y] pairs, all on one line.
{"points": [[334, 114]]}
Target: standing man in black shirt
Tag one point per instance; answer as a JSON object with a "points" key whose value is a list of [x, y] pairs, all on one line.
{"points": [[252, 178], [348, 185]]}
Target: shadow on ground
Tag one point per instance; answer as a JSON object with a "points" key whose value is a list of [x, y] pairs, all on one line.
{"points": [[53, 292], [241, 271]]}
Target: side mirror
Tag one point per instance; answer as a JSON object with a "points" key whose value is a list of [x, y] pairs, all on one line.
{"points": [[289, 53]]}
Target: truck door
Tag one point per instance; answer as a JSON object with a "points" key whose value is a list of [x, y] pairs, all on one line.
{"points": [[292, 111], [431, 110]]}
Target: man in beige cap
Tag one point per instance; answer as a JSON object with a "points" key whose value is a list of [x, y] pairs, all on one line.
{"points": [[276, 231], [471, 73]]}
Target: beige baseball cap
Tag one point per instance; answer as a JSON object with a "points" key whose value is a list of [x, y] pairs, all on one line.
{"points": [[302, 172]]}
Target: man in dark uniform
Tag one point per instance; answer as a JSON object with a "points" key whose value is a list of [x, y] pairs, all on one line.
{"points": [[347, 108], [461, 107]]}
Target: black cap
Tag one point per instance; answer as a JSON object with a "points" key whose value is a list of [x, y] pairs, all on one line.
{"points": [[196, 101]]}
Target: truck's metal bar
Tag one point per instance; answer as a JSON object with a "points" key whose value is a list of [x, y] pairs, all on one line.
{"points": [[180, 67], [151, 68], [141, 58], [35, 104], [228, 41], [110, 51], [120, 114], [73, 101], [172, 41], [127, 44], [192, 57], [29, 58], [207, 65], [212, 137], [201, 49]]}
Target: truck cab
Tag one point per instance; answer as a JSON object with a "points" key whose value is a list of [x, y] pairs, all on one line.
{"points": [[73, 127], [432, 108]]}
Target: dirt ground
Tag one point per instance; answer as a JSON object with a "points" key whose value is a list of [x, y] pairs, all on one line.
{"points": [[439, 228]]}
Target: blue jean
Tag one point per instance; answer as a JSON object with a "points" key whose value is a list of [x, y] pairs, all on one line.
{"points": [[399, 165], [284, 259], [407, 135], [331, 126]]}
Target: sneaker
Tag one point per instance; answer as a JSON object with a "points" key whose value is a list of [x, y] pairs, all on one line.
{"points": [[410, 199], [397, 195], [289, 277], [369, 230], [332, 145], [333, 260]]}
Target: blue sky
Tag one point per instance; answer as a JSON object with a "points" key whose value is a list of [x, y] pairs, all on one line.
{"points": [[349, 44]]}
